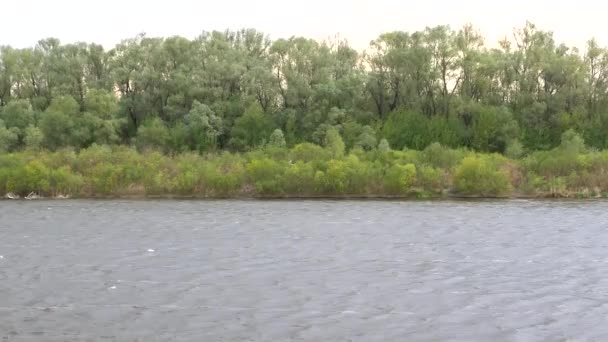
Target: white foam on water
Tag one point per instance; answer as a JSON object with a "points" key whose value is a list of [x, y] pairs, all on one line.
{"points": [[150, 250], [112, 288], [349, 312]]}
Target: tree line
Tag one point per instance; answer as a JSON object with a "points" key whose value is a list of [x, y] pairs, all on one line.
{"points": [[240, 90]]}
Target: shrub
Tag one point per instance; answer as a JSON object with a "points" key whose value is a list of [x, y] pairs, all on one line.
{"points": [[266, 175], [153, 135], [299, 179], [400, 178], [308, 152], [277, 139], [383, 146], [334, 143], [334, 180], [430, 178], [514, 150], [442, 157], [479, 176], [64, 181]]}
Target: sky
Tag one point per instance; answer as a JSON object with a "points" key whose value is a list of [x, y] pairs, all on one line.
{"points": [[107, 22]]}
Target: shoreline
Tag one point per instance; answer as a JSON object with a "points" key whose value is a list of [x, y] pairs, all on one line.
{"points": [[172, 197]]}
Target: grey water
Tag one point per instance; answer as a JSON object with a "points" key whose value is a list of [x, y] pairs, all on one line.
{"points": [[303, 271]]}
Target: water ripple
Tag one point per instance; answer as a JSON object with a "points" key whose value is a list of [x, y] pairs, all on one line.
{"points": [[303, 270]]}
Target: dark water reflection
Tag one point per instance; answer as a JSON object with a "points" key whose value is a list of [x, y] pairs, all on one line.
{"points": [[303, 271]]}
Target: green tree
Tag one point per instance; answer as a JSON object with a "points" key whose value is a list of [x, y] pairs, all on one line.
{"points": [[384, 146], [203, 127], [18, 114], [367, 139], [57, 123], [8, 138], [492, 129], [277, 139], [33, 138], [252, 129], [153, 135], [334, 143]]}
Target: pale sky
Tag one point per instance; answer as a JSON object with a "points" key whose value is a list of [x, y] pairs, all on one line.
{"points": [[24, 22]]}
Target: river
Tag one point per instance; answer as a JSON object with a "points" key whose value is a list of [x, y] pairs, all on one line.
{"points": [[121, 270]]}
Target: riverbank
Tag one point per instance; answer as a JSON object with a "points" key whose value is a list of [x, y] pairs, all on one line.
{"points": [[305, 171], [345, 197]]}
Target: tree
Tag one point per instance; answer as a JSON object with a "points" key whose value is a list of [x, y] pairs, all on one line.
{"points": [[572, 142], [18, 114], [492, 129], [33, 138], [334, 143], [153, 135], [367, 139], [231, 89], [100, 103], [252, 129], [277, 139], [384, 146], [57, 123], [8, 138], [203, 127]]}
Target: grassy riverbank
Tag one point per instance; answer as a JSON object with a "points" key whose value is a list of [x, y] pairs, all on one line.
{"points": [[307, 170]]}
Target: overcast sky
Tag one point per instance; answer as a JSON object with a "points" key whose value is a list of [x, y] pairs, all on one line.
{"points": [[24, 22]]}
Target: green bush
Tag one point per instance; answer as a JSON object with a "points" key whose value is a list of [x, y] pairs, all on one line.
{"points": [[9, 138], [153, 135], [430, 178], [400, 178], [299, 179], [332, 181], [442, 157], [266, 175], [480, 176], [65, 182], [308, 152]]}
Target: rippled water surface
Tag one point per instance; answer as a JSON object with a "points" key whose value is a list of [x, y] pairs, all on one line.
{"points": [[303, 271]]}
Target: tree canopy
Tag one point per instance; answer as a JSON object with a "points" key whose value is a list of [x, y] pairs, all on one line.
{"points": [[239, 90]]}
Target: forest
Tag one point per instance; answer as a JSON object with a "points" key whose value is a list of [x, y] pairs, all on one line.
{"points": [[421, 108]]}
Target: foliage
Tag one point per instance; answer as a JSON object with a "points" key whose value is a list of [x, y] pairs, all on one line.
{"points": [[232, 89], [8, 138], [277, 139], [399, 178], [417, 112], [33, 138], [384, 146], [252, 129], [334, 143], [153, 134], [478, 176]]}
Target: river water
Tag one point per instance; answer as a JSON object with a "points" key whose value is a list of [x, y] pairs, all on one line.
{"points": [[303, 271]]}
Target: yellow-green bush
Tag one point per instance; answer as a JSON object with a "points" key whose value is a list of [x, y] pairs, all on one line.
{"points": [[431, 179], [478, 176], [305, 170], [333, 180], [266, 175], [400, 178], [299, 179]]}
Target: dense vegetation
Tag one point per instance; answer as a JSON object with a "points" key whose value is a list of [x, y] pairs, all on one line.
{"points": [[571, 169], [236, 113], [231, 90]]}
